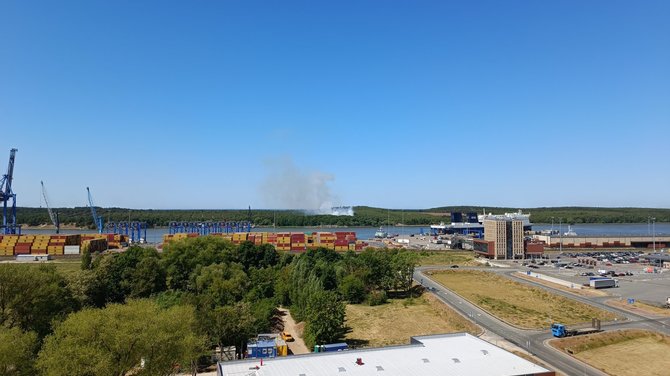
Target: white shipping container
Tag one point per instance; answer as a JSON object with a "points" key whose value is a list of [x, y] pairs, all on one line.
{"points": [[71, 250]]}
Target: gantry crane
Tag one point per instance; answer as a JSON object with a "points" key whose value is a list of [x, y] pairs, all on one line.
{"points": [[52, 215], [97, 220], [9, 225]]}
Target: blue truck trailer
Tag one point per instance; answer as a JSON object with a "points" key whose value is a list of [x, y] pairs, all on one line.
{"points": [[561, 331]]}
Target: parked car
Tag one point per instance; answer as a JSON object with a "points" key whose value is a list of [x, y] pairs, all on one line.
{"points": [[286, 337]]}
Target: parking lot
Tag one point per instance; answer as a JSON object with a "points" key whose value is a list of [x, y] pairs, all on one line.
{"points": [[635, 279]]}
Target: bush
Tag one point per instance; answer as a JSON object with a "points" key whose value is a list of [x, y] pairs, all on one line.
{"points": [[377, 297], [352, 289]]}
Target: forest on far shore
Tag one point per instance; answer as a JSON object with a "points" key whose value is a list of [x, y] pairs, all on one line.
{"points": [[363, 216]]}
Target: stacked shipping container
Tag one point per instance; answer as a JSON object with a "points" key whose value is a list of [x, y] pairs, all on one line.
{"points": [[286, 241], [36, 244]]}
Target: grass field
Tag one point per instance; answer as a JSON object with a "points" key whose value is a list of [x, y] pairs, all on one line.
{"points": [[581, 292], [640, 308], [516, 303], [393, 323], [66, 267], [621, 353], [447, 258]]}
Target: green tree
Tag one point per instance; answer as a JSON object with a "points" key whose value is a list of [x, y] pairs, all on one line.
{"points": [[379, 275], [402, 269], [352, 289], [183, 258], [32, 297], [137, 337], [325, 318], [147, 279], [86, 258], [17, 350], [230, 325], [222, 284]]}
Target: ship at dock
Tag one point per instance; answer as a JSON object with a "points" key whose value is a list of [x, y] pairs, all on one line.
{"points": [[473, 224], [518, 216]]}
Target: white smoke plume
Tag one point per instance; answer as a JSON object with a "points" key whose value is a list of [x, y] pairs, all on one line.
{"points": [[287, 187]]}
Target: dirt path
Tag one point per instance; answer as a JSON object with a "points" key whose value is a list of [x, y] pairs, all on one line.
{"points": [[297, 346]]}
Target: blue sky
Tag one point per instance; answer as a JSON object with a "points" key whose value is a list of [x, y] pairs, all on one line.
{"points": [[403, 104]]}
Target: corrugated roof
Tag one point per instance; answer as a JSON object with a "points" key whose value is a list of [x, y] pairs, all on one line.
{"points": [[458, 354]]}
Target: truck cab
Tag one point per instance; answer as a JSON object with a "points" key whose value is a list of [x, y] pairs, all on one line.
{"points": [[558, 330]]}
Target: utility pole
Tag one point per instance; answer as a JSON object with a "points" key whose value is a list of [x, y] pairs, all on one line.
{"points": [[560, 233], [653, 232]]}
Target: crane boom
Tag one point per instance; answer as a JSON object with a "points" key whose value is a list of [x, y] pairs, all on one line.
{"points": [[96, 219], [9, 219], [52, 215], [6, 184]]}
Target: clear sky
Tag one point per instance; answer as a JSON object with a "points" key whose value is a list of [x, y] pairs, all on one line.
{"points": [[403, 104]]}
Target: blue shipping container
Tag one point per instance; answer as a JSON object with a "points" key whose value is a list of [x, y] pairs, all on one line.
{"points": [[262, 349], [334, 347]]}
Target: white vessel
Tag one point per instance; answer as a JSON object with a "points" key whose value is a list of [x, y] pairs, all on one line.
{"points": [[570, 232], [381, 233], [518, 216]]}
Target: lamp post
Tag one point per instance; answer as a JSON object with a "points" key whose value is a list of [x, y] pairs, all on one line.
{"points": [[560, 234], [653, 233]]}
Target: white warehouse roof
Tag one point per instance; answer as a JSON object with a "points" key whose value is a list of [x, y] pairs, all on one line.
{"points": [[459, 354]]}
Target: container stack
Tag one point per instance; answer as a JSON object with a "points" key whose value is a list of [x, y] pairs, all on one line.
{"points": [[172, 237], [94, 244], [7, 244], [298, 242], [40, 245], [283, 241], [114, 240], [240, 237], [286, 241], [23, 244], [325, 240]]}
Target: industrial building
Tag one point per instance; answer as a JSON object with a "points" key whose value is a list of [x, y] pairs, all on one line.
{"points": [[503, 239], [446, 354], [563, 241]]}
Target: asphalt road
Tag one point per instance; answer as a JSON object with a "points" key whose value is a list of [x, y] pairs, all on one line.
{"points": [[535, 341]]}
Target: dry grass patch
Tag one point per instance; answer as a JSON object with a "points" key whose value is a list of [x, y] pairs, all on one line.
{"points": [[393, 323], [582, 292], [447, 258], [639, 308], [621, 353], [517, 303]]}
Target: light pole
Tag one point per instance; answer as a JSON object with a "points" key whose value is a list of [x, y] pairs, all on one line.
{"points": [[560, 234], [653, 232]]}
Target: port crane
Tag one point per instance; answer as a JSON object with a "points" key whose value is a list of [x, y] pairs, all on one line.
{"points": [[53, 215], [97, 220], [9, 225]]}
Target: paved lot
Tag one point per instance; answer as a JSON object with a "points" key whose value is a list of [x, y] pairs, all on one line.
{"points": [[649, 287], [535, 341]]}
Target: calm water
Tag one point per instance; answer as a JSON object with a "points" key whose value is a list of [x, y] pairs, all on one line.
{"points": [[156, 235]]}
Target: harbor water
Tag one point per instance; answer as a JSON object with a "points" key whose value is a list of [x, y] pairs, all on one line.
{"points": [[155, 235]]}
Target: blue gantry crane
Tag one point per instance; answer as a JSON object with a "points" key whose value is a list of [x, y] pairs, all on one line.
{"points": [[9, 225], [97, 220], [53, 215]]}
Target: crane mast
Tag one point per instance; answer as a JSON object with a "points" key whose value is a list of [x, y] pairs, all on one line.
{"points": [[52, 215], [97, 220], [9, 225]]}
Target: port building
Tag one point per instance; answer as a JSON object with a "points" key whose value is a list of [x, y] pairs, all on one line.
{"points": [[633, 241], [446, 354], [503, 239]]}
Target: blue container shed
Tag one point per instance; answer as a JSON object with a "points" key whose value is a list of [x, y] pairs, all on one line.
{"points": [[331, 347], [263, 348]]}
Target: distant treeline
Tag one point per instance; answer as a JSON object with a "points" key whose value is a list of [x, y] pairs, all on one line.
{"points": [[364, 216]]}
